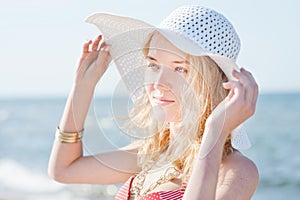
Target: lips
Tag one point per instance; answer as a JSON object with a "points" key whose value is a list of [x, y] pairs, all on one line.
{"points": [[162, 101]]}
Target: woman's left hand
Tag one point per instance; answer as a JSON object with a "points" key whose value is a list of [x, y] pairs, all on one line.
{"points": [[238, 106]]}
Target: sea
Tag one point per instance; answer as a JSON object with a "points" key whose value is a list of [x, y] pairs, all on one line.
{"points": [[27, 129]]}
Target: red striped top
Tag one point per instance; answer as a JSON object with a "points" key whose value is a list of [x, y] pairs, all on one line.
{"points": [[124, 193]]}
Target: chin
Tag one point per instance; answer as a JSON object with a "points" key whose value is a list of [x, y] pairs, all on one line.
{"points": [[173, 118]]}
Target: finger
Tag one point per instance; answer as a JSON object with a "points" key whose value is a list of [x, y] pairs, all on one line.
{"points": [[241, 76], [252, 86], [87, 61], [255, 96], [251, 91], [96, 43], [105, 47], [104, 57], [247, 73], [245, 78], [103, 44], [236, 89], [227, 86], [86, 45]]}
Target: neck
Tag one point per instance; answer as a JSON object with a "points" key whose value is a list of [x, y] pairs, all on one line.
{"points": [[174, 129]]}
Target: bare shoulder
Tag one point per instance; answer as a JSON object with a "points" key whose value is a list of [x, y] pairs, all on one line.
{"points": [[239, 176], [239, 163]]}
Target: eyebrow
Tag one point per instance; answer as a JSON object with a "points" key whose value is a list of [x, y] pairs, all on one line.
{"points": [[176, 61]]}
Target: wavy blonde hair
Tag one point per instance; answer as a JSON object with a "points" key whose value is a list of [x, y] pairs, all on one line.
{"points": [[205, 80]]}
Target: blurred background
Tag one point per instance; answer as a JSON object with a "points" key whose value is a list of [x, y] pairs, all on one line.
{"points": [[39, 46]]}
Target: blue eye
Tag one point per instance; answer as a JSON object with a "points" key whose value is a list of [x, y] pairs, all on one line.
{"points": [[153, 66], [181, 70]]}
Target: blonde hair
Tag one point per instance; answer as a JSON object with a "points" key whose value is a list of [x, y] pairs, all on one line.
{"points": [[205, 80]]}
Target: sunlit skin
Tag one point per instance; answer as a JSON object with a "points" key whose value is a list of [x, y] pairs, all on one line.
{"points": [[167, 69], [234, 178]]}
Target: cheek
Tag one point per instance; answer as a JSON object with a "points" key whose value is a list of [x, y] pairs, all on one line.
{"points": [[149, 89], [149, 77], [178, 90]]}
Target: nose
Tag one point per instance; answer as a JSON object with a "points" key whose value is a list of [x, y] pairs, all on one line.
{"points": [[160, 87], [162, 80]]}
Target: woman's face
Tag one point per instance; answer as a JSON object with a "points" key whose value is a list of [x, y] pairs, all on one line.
{"points": [[165, 77]]}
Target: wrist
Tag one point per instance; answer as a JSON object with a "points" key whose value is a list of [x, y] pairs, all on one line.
{"points": [[213, 141], [68, 137], [81, 88], [217, 128], [216, 133]]}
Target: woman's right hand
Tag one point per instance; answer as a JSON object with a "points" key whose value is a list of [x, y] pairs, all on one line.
{"points": [[93, 62]]}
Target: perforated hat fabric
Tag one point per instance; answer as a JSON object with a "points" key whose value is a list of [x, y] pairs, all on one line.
{"points": [[209, 29], [194, 29]]}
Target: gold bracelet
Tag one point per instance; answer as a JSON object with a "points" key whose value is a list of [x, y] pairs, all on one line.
{"points": [[68, 137]]}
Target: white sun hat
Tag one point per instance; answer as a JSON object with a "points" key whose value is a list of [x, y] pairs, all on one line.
{"points": [[193, 29]]}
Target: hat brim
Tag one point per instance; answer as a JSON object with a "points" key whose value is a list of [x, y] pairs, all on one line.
{"points": [[118, 28], [189, 47], [127, 37]]}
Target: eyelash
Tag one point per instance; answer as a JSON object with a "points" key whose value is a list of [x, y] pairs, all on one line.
{"points": [[181, 68], [156, 67]]}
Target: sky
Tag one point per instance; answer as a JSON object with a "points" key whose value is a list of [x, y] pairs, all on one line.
{"points": [[41, 41]]}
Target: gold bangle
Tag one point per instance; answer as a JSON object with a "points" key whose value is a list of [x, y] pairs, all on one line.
{"points": [[68, 137]]}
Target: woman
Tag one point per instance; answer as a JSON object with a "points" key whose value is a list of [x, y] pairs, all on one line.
{"points": [[191, 97]]}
